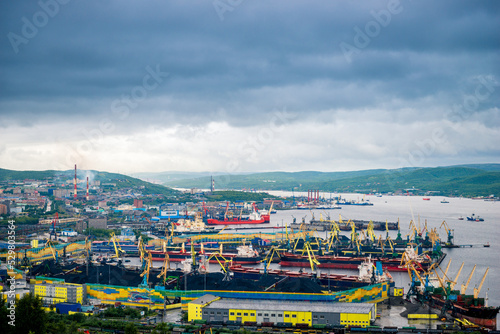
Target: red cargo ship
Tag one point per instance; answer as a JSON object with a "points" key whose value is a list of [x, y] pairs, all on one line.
{"points": [[229, 219]]}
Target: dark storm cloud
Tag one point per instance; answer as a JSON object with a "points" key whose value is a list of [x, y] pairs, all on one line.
{"points": [[98, 51]]}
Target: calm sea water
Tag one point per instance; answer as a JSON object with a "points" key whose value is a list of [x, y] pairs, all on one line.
{"points": [[407, 208]]}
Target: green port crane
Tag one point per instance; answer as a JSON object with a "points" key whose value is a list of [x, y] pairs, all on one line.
{"points": [[449, 232]]}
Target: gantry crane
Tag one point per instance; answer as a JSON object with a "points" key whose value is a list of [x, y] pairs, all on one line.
{"points": [[269, 257], [145, 273], [310, 255], [334, 234], [55, 254], [118, 250], [164, 270], [449, 232]]}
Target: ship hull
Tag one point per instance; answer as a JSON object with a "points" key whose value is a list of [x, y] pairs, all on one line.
{"points": [[339, 262], [237, 221], [176, 256], [332, 281], [482, 316]]}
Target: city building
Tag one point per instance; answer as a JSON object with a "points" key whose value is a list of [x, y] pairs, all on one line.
{"points": [[291, 313], [93, 222], [59, 293]]}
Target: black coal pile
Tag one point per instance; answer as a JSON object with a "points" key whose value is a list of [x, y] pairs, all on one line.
{"points": [[102, 274], [216, 281], [51, 268], [299, 284], [118, 275]]}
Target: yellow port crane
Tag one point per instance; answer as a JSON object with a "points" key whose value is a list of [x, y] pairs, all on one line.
{"points": [[388, 240], [441, 282], [478, 289], [381, 243], [269, 257], [50, 246], [447, 267], [463, 288], [452, 284], [118, 250], [217, 256], [310, 254], [166, 267], [334, 234], [370, 233]]}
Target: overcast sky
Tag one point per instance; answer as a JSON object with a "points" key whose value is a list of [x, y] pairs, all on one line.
{"points": [[248, 85]]}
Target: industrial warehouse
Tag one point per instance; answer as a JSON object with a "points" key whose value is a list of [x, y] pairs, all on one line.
{"points": [[213, 309]]}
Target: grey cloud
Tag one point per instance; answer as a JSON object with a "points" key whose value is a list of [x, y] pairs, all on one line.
{"points": [[264, 56]]}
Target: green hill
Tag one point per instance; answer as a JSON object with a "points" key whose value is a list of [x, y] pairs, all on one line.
{"points": [[454, 180], [113, 181]]}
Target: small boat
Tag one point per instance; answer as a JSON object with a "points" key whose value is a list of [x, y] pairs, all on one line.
{"points": [[460, 218], [444, 201], [426, 199]]}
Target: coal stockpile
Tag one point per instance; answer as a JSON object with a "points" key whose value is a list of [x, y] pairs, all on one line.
{"points": [[51, 268], [216, 281], [301, 284], [118, 275], [102, 274]]}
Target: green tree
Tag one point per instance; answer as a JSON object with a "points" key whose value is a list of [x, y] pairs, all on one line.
{"points": [[162, 328], [4, 321], [30, 315], [130, 328]]}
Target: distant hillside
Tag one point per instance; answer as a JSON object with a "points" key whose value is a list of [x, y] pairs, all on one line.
{"points": [[164, 177], [233, 196], [119, 180], [479, 180], [7, 174]]}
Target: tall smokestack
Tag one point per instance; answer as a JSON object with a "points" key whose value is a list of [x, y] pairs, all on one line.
{"points": [[87, 188], [75, 182]]}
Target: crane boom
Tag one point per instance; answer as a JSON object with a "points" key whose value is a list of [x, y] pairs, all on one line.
{"points": [[447, 267], [478, 289], [452, 284], [463, 288]]}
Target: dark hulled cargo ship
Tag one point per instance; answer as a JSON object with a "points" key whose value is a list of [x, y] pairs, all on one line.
{"points": [[352, 262], [245, 255]]}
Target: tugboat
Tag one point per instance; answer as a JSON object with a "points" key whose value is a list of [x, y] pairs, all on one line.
{"points": [[475, 218]]}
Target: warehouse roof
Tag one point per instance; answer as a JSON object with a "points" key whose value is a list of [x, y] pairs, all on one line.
{"points": [[204, 299], [284, 305]]}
